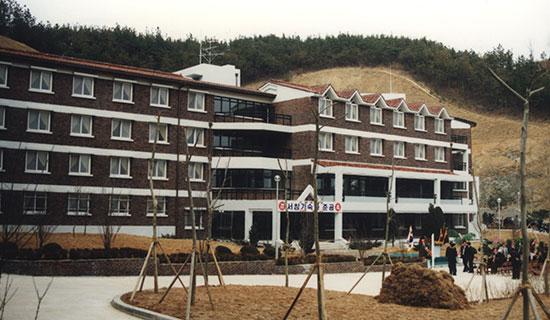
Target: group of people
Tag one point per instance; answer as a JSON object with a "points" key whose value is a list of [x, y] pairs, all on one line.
{"points": [[467, 253]]}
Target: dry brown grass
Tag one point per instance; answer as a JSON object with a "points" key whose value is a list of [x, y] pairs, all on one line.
{"points": [[93, 241]]}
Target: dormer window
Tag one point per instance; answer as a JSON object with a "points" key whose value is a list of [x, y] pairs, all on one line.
{"points": [[325, 107], [439, 126], [376, 115], [352, 112], [419, 122], [398, 119]]}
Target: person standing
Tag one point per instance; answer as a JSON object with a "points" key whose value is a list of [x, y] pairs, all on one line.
{"points": [[470, 253], [464, 255], [516, 263], [451, 254]]}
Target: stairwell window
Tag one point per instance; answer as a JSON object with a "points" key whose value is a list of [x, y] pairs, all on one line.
{"points": [[376, 115], [3, 76], [399, 119], [161, 207], [351, 144], [439, 154], [195, 171], [120, 167], [439, 126], [83, 86], [376, 147], [38, 121], [81, 125], [325, 141], [119, 206], [196, 101], [78, 205], [325, 107], [159, 97], [37, 162], [160, 131], [399, 149], [35, 203], [419, 122], [420, 151], [159, 169], [121, 129], [80, 165], [41, 81], [352, 112], [195, 137], [123, 91]]}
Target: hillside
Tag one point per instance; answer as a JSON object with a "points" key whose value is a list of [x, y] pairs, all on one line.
{"points": [[495, 139]]}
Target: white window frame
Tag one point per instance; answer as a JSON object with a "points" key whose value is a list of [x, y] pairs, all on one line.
{"points": [[352, 112], [34, 196], [195, 171], [197, 135], [118, 173], [122, 86], [187, 219], [122, 121], [161, 207], [37, 155], [2, 161], [418, 120], [439, 126], [5, 71], [397, 116], [376, 147], [163, 128], [2, 118], [196, 106], [80, 158], [326, 108], [158, 102], [80, 118], [374, 110], [79, 198], [40, 89], [420, 152], [41, 113], [156, 165], [326, 141], [397, 147], [459, 221], [81, 94], [353, 143], [118, 212], [439, 154]]}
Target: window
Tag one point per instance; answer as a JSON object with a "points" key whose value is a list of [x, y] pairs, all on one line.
{"points": [[325, 141], [399, 149], [1, 160], [195, 171], [439, 125], [159, 169], [122, 91], [36, 162], [83, 86], [439, 154], [325, 107], [121, 129], [376, 147], [2, 118], [80, 164], [196, 101], [34, 203], [3, 75], [159, 96], [352, 112], [420, 151], [198, 219], [195, 137], [161, 134], [78, 205], [161, 207], [419, 122], [119, 206], [41, 81], [351, 144], [459, 221], [375, 115], [120, 167], [399, 119], [38, 121], [81, 125]]}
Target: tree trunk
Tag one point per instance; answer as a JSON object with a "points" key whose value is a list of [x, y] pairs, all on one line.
{"points": [[523, 205]]}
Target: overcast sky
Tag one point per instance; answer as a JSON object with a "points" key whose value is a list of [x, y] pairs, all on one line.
{"points": [[465, 24]]}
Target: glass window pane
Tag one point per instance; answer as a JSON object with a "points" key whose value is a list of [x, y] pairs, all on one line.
{"points": [[33, 120], [44, 119], [75, 124], [88, 84], [31, 160], [124, 166], [42, 161], [114, 166], [84, 163], [46, 80], [86, 124], [117, 90], [77, 85], [35, 79], [163, 96], [154, 95], [127, 91], [125, 129]]}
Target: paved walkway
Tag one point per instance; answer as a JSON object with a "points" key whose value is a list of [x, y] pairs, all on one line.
{"points": [[85, 298]]}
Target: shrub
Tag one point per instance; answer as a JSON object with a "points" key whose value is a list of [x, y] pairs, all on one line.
{"points": [[29, 254], [53, 251], [223, 250], [249, 251], [269, 251], [8, 250], [254, 234]]}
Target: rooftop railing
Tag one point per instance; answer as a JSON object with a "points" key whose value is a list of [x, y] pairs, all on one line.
{"points": [[255, 116]]}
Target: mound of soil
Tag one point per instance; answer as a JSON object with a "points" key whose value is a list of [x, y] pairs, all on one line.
{"points": [[418, 286]]}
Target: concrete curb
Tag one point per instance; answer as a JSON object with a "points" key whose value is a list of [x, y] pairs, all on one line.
{"points": [[141, 313]]}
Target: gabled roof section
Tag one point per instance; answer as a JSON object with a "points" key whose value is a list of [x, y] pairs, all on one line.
{"points": [[318, 89], [371, 98], [394, 103]]}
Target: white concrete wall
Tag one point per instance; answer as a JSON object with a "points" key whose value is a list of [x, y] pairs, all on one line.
{"points": [[226, 74]]}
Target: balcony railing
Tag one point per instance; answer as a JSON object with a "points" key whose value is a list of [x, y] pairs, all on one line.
{"points": [[253, 194], [421, 198], [255, 116], [459, 139], [233, 152], [460, 166]]}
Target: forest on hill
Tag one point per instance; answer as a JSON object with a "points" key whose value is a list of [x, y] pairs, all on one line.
{"points": [[456, 73]]}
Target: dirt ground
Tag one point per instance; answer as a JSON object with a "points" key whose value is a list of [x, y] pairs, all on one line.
{"points": [[91, 241], [267, 302]]}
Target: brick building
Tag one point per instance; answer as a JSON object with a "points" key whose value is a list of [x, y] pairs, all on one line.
{"points": [[76, 137]]}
